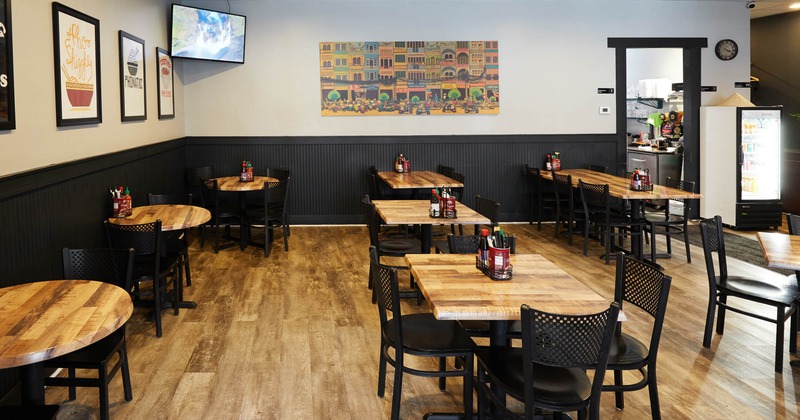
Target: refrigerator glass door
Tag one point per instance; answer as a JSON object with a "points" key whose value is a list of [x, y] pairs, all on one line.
{"points": [[760, 158]]}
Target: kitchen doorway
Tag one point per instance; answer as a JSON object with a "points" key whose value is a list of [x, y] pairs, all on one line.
{"points": [[691, 95]]}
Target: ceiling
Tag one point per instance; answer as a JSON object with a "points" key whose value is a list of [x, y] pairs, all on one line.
{"points": [[770, 7]]}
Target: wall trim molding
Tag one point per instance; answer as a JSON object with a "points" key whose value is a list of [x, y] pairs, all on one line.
{"points": [[415, 139]]}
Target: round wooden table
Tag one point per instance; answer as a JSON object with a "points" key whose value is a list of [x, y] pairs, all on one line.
{"points": [[172, 216], [44, 320], [233, 184]]}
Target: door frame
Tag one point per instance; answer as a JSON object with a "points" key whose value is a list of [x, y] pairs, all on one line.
{"points": [[691, 97]]}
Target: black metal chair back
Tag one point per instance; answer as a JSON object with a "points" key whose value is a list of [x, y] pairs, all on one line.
{"points": [[711, 234], [793, 223], [169, 199], [463, 244], [595, 197], [598, 168], [143, 238], [114, 266], [683, 185], [566, 341], [489, 209], [445, 170]]}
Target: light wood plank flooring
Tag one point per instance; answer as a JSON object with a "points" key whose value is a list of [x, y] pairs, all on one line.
{"points": [[294, 336]]}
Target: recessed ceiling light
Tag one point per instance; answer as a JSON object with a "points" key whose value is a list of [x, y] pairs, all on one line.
{"points": [[794, 6]]}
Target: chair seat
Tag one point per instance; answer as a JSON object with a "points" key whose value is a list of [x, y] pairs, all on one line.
{"points": [[399, 246], [143, 265], [662, 219], [552, 385], [425, 334], [626, 352], [774, 289]]}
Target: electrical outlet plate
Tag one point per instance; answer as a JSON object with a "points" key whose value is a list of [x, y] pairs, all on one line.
{"points": [[604, 110]]}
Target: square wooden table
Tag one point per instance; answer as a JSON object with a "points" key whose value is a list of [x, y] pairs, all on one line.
{"points": [[619, 187], [415, 212], [417, 180], [455, 289], [780, 250]]}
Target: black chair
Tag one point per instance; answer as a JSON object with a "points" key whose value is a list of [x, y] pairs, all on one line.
{"points": [[565, 205], [542, 195], [150, 264], [445, 170], [669, 224], [489, 209], [549, 371], [272, 215], [177, 242], [113, 266], [463, 244], [597, 168], [417, 335], [793, 223], [194, 182], [223, 213], [775, 290], [597, 206], [389, 247], [378, 190], [642, 284]]}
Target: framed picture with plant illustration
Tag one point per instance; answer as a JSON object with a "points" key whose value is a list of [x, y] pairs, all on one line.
{"points": [[131, 77], [166, 99], [76, 44], [7, 115]]}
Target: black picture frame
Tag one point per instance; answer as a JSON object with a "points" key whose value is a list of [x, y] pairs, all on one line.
{"points": [[165, 79], [8, 119], [76, 49], [132, 79]]}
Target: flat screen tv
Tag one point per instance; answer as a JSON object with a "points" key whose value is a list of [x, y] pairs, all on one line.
{"points": [[206, 35]]}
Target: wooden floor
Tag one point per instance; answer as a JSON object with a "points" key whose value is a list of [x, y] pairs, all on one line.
{"points": [[294, 336]]}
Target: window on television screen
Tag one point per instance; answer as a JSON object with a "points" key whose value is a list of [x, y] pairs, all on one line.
{"points": [[207, 35]]}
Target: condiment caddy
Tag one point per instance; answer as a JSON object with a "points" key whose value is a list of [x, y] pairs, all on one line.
{"points": [[443, 205], [402, 164], [246, 174], [121, 202], [553, 161], [640, 181], [494, 253]]}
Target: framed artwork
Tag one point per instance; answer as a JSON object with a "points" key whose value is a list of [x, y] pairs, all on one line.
{"points": [[131, 77], [76, 42], [420, 78], [7, 116], [166, 99]]}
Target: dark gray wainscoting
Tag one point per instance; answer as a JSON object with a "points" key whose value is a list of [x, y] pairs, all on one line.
{"points": [[329, 173], [64, 205]]}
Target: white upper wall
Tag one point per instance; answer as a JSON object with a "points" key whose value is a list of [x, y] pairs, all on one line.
{"points": [[553, 57], [37, 142]]}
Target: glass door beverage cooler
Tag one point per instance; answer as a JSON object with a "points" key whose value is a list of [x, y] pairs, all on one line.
{"points": [[740, 165]]}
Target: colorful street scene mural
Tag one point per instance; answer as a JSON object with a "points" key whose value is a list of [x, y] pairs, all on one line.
{"points": [[409, 78]]}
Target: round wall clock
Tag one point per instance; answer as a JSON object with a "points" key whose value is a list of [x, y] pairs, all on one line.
{"points": [[726, 49]]}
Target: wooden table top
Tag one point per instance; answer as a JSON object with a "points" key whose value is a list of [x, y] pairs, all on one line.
{"points": [[172, 216], [620, 187], [43, 320], [232, 183], [780, 250], [417, 179], [415, 212], [455, 289]]}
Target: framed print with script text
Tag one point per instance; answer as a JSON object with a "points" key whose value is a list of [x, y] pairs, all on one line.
{"points": [[165, 79], [7, 115], [131, 77], [76, 42]]}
